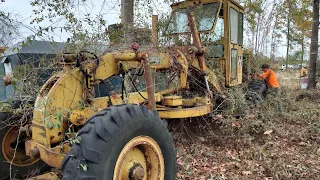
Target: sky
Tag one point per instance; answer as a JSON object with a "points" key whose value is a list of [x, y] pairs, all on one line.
{"points": [[23, 10]]}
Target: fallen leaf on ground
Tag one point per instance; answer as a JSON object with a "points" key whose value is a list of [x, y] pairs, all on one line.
{"points": [[219, 116], [251, 116], [246, 173], [303, 144], [236, 124], [268, 132], [202, 139]]}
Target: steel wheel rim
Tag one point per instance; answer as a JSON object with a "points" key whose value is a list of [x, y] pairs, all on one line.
{"points": [[8, 149]]}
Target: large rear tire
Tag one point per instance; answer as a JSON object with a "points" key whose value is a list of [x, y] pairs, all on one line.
{"points": [[22, 165], [256, 90], [121, 142]]}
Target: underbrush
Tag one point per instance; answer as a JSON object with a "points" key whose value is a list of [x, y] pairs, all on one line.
{"points": [[245, 142]]}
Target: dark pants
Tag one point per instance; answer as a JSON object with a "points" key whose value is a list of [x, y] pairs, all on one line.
{"points": [[275, 93]]}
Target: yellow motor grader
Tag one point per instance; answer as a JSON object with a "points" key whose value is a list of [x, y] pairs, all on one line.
{"points": [[120, 135]]}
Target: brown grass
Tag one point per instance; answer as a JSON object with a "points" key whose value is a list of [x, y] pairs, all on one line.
{"points": [[289, 79]]}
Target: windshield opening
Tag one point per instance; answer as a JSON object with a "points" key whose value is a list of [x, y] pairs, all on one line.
{"points": [[205, 16]]}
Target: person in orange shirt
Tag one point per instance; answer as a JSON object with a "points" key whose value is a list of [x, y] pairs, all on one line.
{"points": [[269, 76], [271, 80]]}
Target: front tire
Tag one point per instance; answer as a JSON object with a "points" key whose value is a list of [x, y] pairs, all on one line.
{"points": [[120, 142]]}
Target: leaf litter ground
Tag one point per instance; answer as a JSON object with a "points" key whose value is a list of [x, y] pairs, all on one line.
{"points": [[261, 145]]}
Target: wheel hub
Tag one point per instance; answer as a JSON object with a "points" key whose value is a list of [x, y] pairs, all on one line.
{"points": [[140, 159], [136, 172], [13, 149]]}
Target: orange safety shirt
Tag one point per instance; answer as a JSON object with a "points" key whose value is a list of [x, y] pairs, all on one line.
{"points": [[270, 78]]}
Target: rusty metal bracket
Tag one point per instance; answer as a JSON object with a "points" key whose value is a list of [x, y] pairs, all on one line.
{"points": [[51, 156]]}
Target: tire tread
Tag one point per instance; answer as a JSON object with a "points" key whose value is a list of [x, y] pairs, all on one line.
{"points": [[103, 128]]}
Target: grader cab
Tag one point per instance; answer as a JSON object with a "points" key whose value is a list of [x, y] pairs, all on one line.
{"points": [[220, 27], [120, 135]]}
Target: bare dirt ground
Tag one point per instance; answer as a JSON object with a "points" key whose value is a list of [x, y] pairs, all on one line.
{"points": [[259, 145]]}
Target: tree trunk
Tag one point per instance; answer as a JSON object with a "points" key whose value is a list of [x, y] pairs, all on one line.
{"points": [[302, 48], [314, 47], [127, 19], [252, 39], [127, 12], [288, 37], [272, 55], [256, 38]]}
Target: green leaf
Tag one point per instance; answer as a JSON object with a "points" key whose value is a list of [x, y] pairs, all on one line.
{"points": [[84, 166]]}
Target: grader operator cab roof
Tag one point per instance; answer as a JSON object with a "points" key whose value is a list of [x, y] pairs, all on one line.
{"points": [[191, 3]]}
